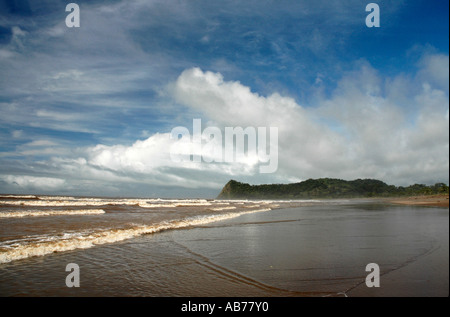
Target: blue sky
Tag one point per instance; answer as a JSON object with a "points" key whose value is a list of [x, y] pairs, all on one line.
{"points": [[88, 110]]}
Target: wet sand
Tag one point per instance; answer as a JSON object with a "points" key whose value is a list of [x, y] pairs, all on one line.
{"points": [[424, 277], [413, 279], [309, 251], [317, 250]]}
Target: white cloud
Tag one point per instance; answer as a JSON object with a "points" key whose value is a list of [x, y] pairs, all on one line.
{"points": [[398, 142], [357, 132], [434, 70], [151, 159], [303, 142], [103, 81], [142, 157], [360, 131], [33, 182]]}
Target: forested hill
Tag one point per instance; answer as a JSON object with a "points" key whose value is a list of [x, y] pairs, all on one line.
{"points": [[326, 188]]}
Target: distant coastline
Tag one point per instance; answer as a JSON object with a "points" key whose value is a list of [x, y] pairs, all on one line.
{"points": [[326, 188]]}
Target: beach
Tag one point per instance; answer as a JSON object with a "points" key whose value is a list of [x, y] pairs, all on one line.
{"points": [[225, 248], [429, 200]]}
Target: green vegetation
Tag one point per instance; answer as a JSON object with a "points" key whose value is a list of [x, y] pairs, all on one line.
{"points": [[327, 188]]}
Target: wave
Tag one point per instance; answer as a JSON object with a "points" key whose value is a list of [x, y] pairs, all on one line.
{"points": [[172, 205], [66, 203], [18, 197], [224, 208], [40, 246], [55, 201], [147, 205], [58, 198], [41, 213]]}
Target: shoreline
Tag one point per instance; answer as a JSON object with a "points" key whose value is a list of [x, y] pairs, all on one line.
{"points": [[255, 255], [426, 200]]}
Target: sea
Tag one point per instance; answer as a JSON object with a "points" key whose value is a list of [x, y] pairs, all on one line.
{"points": [[141, 247]]}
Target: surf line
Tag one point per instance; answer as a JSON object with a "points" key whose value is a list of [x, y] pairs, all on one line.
{"points": [[91, 239]]}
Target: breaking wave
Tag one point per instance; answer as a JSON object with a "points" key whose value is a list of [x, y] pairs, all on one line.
{"points": [[41, 213], [225, 208], [41, 245]]}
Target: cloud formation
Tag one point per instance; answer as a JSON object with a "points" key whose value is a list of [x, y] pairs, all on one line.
{"points": [[89, 106], [359, 131]]}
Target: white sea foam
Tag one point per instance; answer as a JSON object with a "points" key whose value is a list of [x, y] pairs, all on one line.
{"points": [[174, 203], [58, 198], [40, 246], [49, 203], [41, 213], [193, 204], [68, 203], [19, 196], [147, 205], [55, 201], [223, 208]]}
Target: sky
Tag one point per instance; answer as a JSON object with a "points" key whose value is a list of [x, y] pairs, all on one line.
{"points": [[89, 110]]}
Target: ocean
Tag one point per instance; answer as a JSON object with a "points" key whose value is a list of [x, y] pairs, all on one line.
{"points": [[220, 248]]}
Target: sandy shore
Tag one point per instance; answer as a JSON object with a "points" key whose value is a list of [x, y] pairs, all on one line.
{"points": [[316, 250], [430, 200]]}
